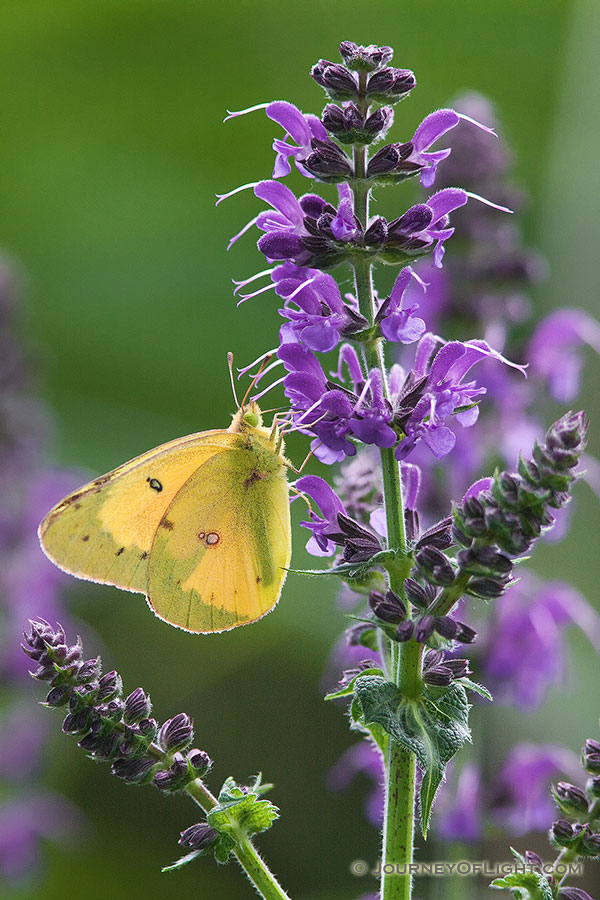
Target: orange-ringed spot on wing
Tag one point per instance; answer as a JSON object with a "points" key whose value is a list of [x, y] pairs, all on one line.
{"points": [[155, 484], [211, 539]]}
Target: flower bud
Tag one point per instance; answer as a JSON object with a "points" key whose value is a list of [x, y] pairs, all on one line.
{"points": [[440, 676], [465, 634], [199, 761], [362, 58], [176, 733], [424, 629], [390, 609], [390, 85], [134, 771], [446, 627], [59, 695], [110, 686], [533, 859], [376, 233], [562, 833], [417, 595], [137, 706], [175, 777], [435, 567], [458, 667], [404, 631], [199, 836], [573, 893], [591, 842], [593, 787], [336, 79], [570, 799]]}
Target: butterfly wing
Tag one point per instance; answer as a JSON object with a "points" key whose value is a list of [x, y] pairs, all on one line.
{"points": [[104, 531], [220, 555]]}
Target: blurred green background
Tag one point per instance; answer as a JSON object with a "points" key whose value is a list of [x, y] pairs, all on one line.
{"points": [[111, 151]]}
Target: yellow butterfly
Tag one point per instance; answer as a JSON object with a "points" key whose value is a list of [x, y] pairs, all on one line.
{"points": [[201, 525]]}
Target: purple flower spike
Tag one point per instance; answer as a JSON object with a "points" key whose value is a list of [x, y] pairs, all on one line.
{"points": [[554, 350], [431, 128], [330, 505]]}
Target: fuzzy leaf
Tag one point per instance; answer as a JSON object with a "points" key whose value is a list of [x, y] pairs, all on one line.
{"points": [[240, 813], [525, 885], [349, 688], [182, 861], [433, 727], [476, 688]]}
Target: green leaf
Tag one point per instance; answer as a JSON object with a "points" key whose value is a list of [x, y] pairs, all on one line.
{"points": [[526, 885], [182, 861], [352, 570], [476, 688], [433, 727], [239, 812]]}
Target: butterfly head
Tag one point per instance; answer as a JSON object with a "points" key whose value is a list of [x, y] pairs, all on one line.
{"points": [[247, 418]]}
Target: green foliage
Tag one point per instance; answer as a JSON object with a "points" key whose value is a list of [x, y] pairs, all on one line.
{"points": [[240, 813], [528, 884], [433, 726]]}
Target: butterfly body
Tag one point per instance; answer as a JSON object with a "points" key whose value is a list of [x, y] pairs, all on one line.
{"points": [[200, 525]]}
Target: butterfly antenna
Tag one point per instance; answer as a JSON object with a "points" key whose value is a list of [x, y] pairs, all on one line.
{"points": [[256, 378], [230, 367], [299, 471], [304, 497]]}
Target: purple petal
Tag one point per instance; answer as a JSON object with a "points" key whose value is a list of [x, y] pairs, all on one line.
{"points": [[484, 484], [440, 440], [324, 496], [280, 245], [411, 482], [445, 201], [281, 198], [433, 127], [291, 120]]}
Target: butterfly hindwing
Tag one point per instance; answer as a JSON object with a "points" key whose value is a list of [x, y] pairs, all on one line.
{"points": [[104, 531], [221, 551]]}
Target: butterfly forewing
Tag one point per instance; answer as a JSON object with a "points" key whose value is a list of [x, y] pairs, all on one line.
{"points": [[104, 531], [221, 551]]}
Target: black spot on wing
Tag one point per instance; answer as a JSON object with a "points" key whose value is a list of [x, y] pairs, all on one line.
{"points": [[167, 524], [144, 555], [86, 537], [121, 550]]}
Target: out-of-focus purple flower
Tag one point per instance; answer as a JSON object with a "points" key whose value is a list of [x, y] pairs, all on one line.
{"points": [[397, 318], [519, 798], [314, 307], [429, 131], [330, 506], [555, 350], [459, 808], [22, 742], [363, 758], [524, 652], [445, 392], [24, 823]]}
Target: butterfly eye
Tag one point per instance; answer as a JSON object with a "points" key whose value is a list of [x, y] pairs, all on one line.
{"points": [[250, 418]]}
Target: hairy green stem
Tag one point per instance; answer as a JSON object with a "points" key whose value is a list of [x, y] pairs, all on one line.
{"points": [[405, 659], [246, 854]]}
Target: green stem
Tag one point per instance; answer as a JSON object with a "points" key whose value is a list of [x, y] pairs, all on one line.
{"points": [[253, 865], [405, 659]]}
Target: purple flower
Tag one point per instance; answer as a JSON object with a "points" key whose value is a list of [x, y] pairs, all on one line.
{"points": [[459, 808], [554, 350], [431, 128], [330, 506], [398, 320], [314, 307], [445, 392], [519, 798], [23, 826], [303, 231], [301, 129], [524, 654], [361, 759], [333, 413]]}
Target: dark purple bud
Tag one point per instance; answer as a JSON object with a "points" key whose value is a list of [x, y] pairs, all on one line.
{"points": [[591, 763], [176, 733], [176, 776], [485, 588], [199, 836], [384, 161], [458, 667], [591, 842], [573, 893], [565, 440], [134, 771], [439, 676], [376, 233], [593, 787], [533, 859], [424, 629], [59, 695], [562, 832], [148, 728], [365, 58], [327, 160], [414, 220], [418, 595], [77, 722], [439, 535], [137, 706], [390, 83], [446, 627], [433, 658], [465, 634], [571, 800], [200, 762], [404, 631], [335, 78], [110, 686], [389, 609], [484, 560], [379, 122], [435, 567], [89, 670], [333, 119]]}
